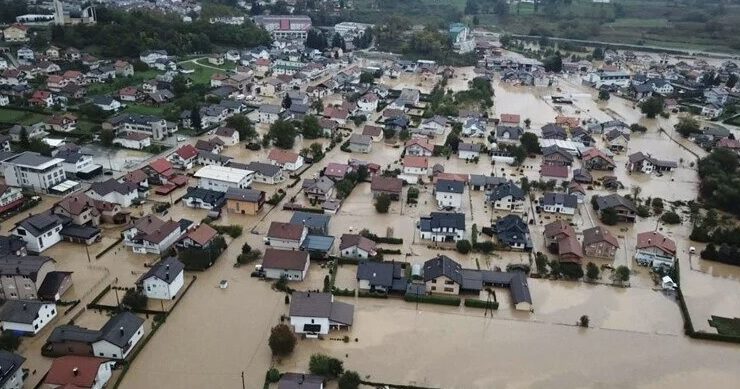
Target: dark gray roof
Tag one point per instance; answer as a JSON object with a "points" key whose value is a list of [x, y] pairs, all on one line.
{"points": [[515, 132], [468, 147], [9, 364], [450, 186], [120, 328], [380, 273], [79, 232], [73, 333], [311, 304], [265, 169], [567, 200], [342, 313], [207, 196], [318, 243], [112, 186], [553, 131], [39, 223], [555, 149], [614, 200], [166, 270], [27, 266], [443, 219], [443, 265], [314, 221], [10, 244], [250, 195], [511, 229], [506, 189], [300, 381], [359, 139], [207, 155], [20, 311], [30, 158]]}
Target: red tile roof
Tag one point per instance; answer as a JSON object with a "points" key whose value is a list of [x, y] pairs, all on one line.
{"points": [[284, 259], [161, 165], [62, 371], [285, 231], [423, 143], [187, 152], [415, 161], [203, 234], [510, 118], [558, 171], [282, 156], [655, 239]]}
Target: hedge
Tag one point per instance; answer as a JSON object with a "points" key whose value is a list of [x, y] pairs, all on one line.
{"points": [[441, 300], [233, 230], [475, 303], [379, 239], [388, 251], [343, 292], [376, 295]]}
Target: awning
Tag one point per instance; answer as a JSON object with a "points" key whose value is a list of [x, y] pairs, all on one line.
{"points": [[66, 186]]}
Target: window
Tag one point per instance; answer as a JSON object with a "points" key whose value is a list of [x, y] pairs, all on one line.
{"points": [[434, 288], [450, 290], [449, 282]]}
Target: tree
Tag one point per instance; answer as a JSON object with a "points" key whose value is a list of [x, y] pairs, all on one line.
{"points": [[404, 135], [273, 375], [9, 342], [474, 234], [670, 217], [652, 106], [106, 137], [609, 216], [452, 141], [195, 121], [311, 128], [362, 173], [530, 142], [592, 271], [344, 188], [287, 102], [326, 366], [24, 141], [731, 80], [318, 105], [316, 150], [571, 270], [604, 95], [598, 54], [527, 122], [367, 78], [134, 299], [349, 380], [316, 40], [282, 340], [553, 63], [686, 126], [382, 203], [338, 42], [634, 127], [243, 126], [622, 274], [257, 8], [283, 134], [540, 260], [636, 190], [463, 246]]}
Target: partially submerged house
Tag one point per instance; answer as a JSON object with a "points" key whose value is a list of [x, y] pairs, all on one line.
{"points": [[314, 314]]}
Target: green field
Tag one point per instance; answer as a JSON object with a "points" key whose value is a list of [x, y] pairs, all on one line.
{"points": [[725, 325], [121, 82], [11, 116], [145, 109], [202, 74]]}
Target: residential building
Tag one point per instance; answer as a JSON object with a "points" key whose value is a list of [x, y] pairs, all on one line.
{"points": [[314, 314], [264, 172], [557, 173], [12, 245], [468, 151], [10, 198], [203, 198], [300, 381], [442, 227], [163, 280], [390, 186], [553, 131], [360, 143], [414, 169], [221, 178], [555, 155], [184, 157], [228, 135], [12, 373], [153, 126], [507, 196], [318, 189], [285, 27], [115, 340], [39, 231], [381, 277], [112, 191], [357, 246], [290, 264], [508, 133], [150, 234], [616, 140], [625, 209], [317, 224], [595, 159], [24, 277], [645, 163], [286, 235], [26, 317], [475, 127], [244, 201], [434, 125], [598, 242], [462, 40], [513, 232], [16, 32], [654, 242], [287, 160], [557, 231], [73, 371], [419, 147], [560, 203], [133, 140], [449, 194], [33, 170]]}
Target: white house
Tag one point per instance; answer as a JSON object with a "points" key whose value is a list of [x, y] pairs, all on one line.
{"points": [[4, 100], [10, 198], [442, 227], [74, 371], [115, 192], [414, 168], [436, 124], [357, 246], [449, 193], [286, 235], [368, 103], [269, 113], [29, 169], [419, 147], [26, 317], [163, 280], [560, 203], [12, 371], [228, 135], [119, 336], [315, 314], [475, 127], [266, 173], [221, 178], [290, 264], [151, 56], [150, 234], [39, 231], [287, 160], [132, 140], [468, 151], [507, 197]]}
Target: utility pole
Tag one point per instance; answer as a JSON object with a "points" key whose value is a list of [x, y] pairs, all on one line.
{"points": [[87, 251], [244, 386]]}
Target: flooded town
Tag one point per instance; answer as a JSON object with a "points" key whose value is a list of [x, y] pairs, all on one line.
{"points": [[299, 208]]}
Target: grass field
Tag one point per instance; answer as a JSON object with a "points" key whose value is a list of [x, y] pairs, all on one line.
{"points": [[121, 82], [20, 117], [145, 109], [202, 75], [726, 326]]}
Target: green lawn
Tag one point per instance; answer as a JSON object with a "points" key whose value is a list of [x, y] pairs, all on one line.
{"points": [[202, 74], [120, 82], [725, 325], [145, 109], [639, 23], [12, 116]]}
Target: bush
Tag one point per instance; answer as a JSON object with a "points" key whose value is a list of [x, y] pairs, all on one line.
{"points": [[349, 380], [343, 292], [378, 239], [571, 270], [485, 247], [199, 259], [670, 217], [475, 303], [382, 203], [609, 217], [326, 366], [134, 299], [622, 274], [273, 375], [276, 198], [9, 342], [583, 321], [463, 246], [592, 271], [643, 211], [234, 230], [282, 340], [441, 300]]}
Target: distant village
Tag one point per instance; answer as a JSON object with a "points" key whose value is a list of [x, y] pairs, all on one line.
{"points": [[283, 149]]}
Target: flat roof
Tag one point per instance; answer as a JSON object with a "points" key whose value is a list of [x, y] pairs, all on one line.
{"points": [[65, 186], [223, 173]]}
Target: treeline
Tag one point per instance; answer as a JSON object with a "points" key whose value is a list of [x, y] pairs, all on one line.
{"points": [[429, 43], [720, 180], [123, 34]]}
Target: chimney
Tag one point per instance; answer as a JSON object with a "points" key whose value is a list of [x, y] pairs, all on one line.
{"points": [[167, 276], [167, 266], [649, 241], [25, 307], [121, 329], [76, 371]]}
